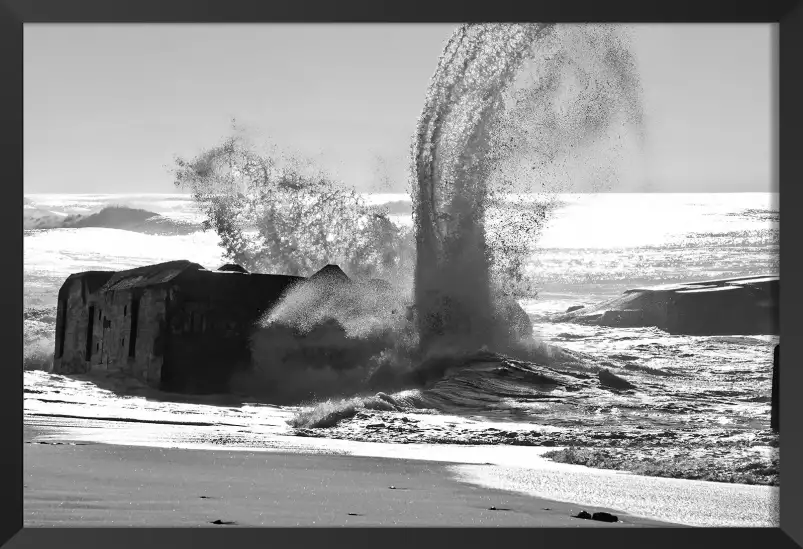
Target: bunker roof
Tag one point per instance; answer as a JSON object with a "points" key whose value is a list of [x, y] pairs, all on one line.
{"points": [[91, 282], [233, 268], [150, 275], [330, 272]]}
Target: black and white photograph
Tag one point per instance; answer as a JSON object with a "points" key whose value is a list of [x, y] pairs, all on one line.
{"points": [[400, 274]]}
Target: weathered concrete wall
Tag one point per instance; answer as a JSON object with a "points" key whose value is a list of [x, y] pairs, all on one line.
{"points": [[110, 341], [718, 311], [207, 341], [72, 328], [112, 333]]}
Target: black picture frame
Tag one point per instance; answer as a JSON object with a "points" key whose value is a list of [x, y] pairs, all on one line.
{"points": [[15, 13]]}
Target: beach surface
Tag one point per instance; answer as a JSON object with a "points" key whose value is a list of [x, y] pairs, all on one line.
{"points": [[91, 485], [73, 478]]}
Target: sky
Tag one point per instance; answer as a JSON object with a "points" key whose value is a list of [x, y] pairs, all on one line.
{"points": [[108, 107]]}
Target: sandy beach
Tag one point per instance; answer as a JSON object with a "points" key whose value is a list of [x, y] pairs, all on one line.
{"points": [[91, 485]]}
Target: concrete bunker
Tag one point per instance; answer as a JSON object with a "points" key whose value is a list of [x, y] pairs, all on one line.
{"points": [[176, 326]]}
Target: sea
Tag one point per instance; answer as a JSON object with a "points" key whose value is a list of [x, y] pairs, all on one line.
{"points": [[698, 396]]}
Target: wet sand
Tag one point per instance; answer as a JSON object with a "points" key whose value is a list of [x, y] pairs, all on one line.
{"points": [[91, 485]]}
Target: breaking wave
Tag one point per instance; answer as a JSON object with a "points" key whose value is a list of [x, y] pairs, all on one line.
{"points": [[38, 326], [511, 110], [111, 217], [486, 384]]}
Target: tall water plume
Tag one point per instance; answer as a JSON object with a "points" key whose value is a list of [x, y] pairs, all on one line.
{"points": [[511, 108]]}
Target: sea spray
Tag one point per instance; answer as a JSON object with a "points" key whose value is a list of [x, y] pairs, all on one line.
{"points": [[476, 133], [511, 110], [452, 284], [276, 212], [330, 336], [38, 337]]}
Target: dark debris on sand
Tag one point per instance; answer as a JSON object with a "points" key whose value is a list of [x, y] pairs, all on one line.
{"points": [[600, 516]]}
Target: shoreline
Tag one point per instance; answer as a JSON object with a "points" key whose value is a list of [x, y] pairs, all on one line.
{"points": [[94, 484], [515, 471]]}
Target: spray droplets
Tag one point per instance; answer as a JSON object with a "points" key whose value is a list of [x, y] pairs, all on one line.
{"points": [[510, 109]]}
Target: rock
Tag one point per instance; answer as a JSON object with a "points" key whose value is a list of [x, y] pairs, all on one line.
{"points": [[605, 517], [583, 515], [575, 308], [733, 306], [609, 379]]}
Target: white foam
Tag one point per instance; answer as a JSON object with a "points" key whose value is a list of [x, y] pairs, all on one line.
{"points": [[690, 502]]}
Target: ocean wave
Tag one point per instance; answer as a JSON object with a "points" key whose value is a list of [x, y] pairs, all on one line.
{"points": [[481, 383], [38, 330], [110, 217]]}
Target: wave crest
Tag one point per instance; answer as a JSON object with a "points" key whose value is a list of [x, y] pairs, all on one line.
{"points": [[110, 217]]}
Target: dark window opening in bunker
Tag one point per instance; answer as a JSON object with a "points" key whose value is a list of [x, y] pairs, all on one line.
{"points": [[89, 329], [197, 322], [122, 342], [97, 346], [62, 328], [125, 310], [99, 313], [132, 345]]}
